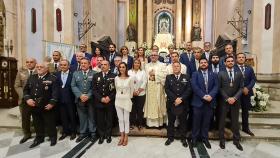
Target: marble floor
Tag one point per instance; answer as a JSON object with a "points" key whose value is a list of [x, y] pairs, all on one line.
{"points": [[149, 147]]}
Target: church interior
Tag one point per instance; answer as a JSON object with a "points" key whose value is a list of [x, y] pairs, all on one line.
{"points": [[36, 28]]}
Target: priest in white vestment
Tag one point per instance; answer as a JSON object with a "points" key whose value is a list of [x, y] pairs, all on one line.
{"points": [[155, 107]]}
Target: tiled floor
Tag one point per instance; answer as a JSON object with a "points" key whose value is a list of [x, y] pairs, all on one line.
{"points": [[138, 147]]}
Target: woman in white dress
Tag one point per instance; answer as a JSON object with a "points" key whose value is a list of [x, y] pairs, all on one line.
{"points": [[124, 93], [139, 94]]}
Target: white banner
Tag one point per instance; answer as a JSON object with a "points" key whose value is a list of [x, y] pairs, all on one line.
{"points": [[66, 50]]}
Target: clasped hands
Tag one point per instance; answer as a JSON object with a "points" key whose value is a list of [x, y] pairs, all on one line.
{"points": [[31, 103], [105, 100], [207, 98], [178, 101]]}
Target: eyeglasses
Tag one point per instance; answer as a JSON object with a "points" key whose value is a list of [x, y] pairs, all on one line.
{"points": [[154, 55]]}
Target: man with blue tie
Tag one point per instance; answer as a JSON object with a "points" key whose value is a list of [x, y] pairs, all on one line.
{"points": [[249, 82], [205, 88], [66, 101], [82, 88], [187, 57], [231, 86]]}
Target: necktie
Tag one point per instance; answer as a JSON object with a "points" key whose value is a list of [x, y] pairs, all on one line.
{"points": [[55, 66], [177, 77], [30, 73], [85, 75], [205, 81], [111, 57], [242, 70], [231, 77], [78, 67], [189, 55]]}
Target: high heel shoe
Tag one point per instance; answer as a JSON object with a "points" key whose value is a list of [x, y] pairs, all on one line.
{"points": [[125, 142], [121, 139]]}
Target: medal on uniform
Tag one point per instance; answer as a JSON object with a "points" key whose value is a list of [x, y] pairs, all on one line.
{"points": [[46, 88]]}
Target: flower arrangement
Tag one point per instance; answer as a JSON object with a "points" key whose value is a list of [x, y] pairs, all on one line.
{"points": [[259, 100], [147, 50]]}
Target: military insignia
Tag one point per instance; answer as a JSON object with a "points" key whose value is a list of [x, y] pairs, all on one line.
{"points": [[98, 79], [184, 80], [46, 88], [111, 87], [47, 82]]}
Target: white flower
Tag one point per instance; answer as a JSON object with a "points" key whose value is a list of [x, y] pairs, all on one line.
{"points": [[262, 103], [257, 86], [259, 94]]}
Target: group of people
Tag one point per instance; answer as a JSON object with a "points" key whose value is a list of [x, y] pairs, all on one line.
{"points": [[194, 90]]}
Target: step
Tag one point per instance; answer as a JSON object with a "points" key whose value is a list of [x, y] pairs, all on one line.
{"points": [[266, 150], [266, 123], [272, 135]]}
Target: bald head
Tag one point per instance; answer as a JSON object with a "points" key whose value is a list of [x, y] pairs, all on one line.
{"points": [[30, 63]]}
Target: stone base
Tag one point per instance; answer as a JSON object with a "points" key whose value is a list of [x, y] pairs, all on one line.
{"points": [[197, 44]]}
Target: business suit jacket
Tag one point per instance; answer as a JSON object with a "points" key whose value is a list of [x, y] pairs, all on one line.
{"points": [[249, 78], [103, 87], [224, 83], [184, 59], [74, 63], [107, 56], [177, 88], [129, 62], [199, 89], [81, 85], [203, 56], [66, 95]]}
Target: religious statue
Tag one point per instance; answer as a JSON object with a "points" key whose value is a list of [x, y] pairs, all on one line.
{"points": [[196, 32], [164, 26], [131, 33]]}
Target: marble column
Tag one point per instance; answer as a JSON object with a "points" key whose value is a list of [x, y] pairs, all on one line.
{"points": [[276, 33], [149, 23], [140, 22], [208, 21], [188, 26], [178, 23], [21, 39], [262, 39], [68, 21], [48, 20]]}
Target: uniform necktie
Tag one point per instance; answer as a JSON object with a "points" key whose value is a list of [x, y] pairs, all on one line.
{"points": [[205, 81], [85, 75], [177, 77]]}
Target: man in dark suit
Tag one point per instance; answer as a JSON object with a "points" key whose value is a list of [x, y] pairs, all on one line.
{"points": [[207, 52], [83, 49], [77, 65], [229, 52], [249, 82], [81, 85], [231, 86], [104, 96], [194, 64], [178, 91], [187, 57], [56, 56], [205, 88], [112, 54], [66, 100], [40, 93], [117, 61]]}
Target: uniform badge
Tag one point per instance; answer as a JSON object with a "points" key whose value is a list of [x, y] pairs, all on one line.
{"points": [[46, 88], [98, 79]]}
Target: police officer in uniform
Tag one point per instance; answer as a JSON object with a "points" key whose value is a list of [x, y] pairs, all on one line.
{"points": [[104, 93], [178, 91], [40, 93]]}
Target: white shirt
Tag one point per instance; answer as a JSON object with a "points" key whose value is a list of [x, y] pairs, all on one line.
{"points": [[140, 80], [124, 93], [232, 73], [207, 54], [196, 64], [217, 68], [64, 76]]}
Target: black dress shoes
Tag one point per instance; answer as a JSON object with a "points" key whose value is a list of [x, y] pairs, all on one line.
{"points": [[207, 144], [63, 136], [184, 143], [109, 139], [238, 146], [169, 141], [249, 132], [36, 142], [101, 140], [73, 136], [80, 138], [53, 141], [222, 145], [24, 139]]}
